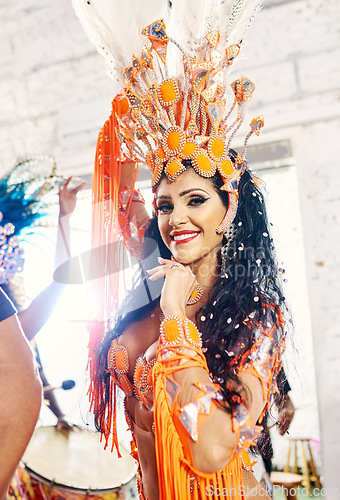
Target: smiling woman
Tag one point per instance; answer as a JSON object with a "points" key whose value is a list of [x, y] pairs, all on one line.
{"points": [[240, 322], [198, 361]]}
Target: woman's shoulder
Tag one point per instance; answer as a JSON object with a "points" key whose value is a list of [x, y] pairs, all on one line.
{"points": [[142, 332]]}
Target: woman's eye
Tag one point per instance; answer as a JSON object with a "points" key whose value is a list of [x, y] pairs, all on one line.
{"points": [[164, 208], [197, 200]]}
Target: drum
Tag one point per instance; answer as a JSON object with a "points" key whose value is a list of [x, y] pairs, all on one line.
{"points": [[59, 465]]}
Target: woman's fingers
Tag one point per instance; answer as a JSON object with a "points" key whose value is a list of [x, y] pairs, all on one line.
{"points": [[75, 190], [172, 268], [79, 188], [166, 264], [66, 183], [162, 270], [164, 261], [171, 264], [154, 270], [158, 272], [156, 276]]}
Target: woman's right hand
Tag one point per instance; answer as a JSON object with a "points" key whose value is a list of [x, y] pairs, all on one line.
{"points": [[179, 285]]}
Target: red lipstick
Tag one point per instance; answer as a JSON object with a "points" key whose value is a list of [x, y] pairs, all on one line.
{"points": [[179, 237]]}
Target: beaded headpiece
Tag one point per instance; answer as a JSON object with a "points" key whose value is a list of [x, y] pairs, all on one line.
{"points": [[174, 102], [187, 117]]}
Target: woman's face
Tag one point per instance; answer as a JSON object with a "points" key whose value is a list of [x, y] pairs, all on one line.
{"points": [[189, 211]]}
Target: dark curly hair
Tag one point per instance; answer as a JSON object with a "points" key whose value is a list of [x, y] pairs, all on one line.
{"points": [[241, 291]]}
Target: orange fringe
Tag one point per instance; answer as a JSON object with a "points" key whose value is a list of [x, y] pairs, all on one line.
{"points": [[107, 228], [177, 478]]}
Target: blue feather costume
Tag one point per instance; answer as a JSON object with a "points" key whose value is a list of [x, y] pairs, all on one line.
{"points": [[23, 201]]}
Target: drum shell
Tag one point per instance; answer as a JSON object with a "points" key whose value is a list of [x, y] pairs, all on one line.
{"points": [[27, 485], [72, 466]]}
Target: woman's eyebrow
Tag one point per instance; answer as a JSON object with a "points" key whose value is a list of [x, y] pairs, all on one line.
{"points": [[164, 197], [192, 189]]}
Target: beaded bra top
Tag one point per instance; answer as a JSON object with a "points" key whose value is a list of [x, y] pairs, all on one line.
{"points": [[118, 366]]}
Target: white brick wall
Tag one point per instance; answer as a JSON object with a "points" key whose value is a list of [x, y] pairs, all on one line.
{"points": [[54, 96], [300, 101], [47, 66]]}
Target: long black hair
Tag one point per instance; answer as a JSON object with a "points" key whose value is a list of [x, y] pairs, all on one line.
{"points": [[242, 290]]}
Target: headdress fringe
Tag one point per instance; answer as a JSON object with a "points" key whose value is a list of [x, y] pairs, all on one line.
{"points": [[107, 227]]}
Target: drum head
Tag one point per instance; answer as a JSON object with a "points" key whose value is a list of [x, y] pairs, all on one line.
{"points": [[77, 459]]}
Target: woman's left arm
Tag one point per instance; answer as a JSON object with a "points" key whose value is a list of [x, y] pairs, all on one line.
{"points": [[211, 431], [217, 436]]}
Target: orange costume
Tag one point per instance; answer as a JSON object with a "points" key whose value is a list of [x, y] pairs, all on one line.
{"points": [[154, 384]]}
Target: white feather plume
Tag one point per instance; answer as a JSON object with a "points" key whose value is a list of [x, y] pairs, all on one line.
{"points": [[114, 27], [241, 17], [191, 20], [188, 19]]}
